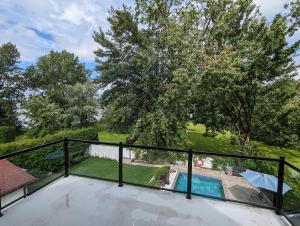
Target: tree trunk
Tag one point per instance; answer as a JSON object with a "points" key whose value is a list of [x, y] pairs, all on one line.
{"points": [[244, 140]]}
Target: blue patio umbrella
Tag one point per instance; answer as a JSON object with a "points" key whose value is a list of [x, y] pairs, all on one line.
{"points": [[262, 180]]}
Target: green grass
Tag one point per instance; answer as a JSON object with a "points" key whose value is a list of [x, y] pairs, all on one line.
{"points": [[221, 143], [112, 137], [106, 168]]}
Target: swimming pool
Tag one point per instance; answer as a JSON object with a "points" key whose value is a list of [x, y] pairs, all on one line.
{"points": [[201, 185]]}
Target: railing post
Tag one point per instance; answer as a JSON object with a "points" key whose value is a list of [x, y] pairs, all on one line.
{"points": [[279, 197], [120, 164], [66, 151], [189, 180], [25, 191]]}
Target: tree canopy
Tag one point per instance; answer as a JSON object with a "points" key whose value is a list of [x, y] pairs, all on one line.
{"points": [[142, 59], [61, 94], [165, 61], [11, 84]]}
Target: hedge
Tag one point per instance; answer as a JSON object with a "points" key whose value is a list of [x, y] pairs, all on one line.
{"points": [[7, 134], [49, 159]]}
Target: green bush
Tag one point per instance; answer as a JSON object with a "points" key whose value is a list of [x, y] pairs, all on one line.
{"points": [[7, 134], [234, 140], [161, 176], [51, 158]]}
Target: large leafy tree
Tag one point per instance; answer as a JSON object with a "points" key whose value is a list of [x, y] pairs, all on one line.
{"points": [[10, 84], [80, 110], [144, 61], [53, 72], [61, 94], [245, 57]]}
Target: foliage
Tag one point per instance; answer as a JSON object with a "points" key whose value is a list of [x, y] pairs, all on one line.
{"points": [[194, 138], [293, 16], [82, 103], [79, 109], [38, 161], [53, 72], [11, 85], [244, 58], [45, 117], [7, 134], [215, 60], [142, 62], [279, 124], [62, 97], [161, 176]]}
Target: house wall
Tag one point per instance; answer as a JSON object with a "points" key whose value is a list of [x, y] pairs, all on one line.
{"points": [[110, 152]]}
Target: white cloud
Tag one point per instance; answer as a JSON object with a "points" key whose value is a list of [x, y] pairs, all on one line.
{"points": [[70, 24], [270, 7]]}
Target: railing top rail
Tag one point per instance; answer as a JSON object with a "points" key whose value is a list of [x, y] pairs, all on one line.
{"points": [[176, 150], [29, 149], [292, 166], [148, 147]]}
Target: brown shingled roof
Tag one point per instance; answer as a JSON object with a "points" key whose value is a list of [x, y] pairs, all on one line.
{"points": [[12, 177]]}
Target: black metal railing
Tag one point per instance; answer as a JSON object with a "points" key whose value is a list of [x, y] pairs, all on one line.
{"points": [[281, 164]]}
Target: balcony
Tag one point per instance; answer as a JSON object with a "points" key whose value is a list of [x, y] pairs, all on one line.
{"points": [[62, 191], [83, 201]]}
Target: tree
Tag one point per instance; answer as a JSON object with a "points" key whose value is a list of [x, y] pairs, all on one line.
{"points": [[82, 104], [10, 84], [45, 116], [277, 121], [144, 63], [62, 95], [245, 57], [53, 72]]}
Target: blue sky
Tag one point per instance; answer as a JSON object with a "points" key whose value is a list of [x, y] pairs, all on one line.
{"points": [[36, 27]]}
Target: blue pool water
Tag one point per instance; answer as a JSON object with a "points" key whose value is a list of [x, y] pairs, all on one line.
{"points": [[201, 185]]}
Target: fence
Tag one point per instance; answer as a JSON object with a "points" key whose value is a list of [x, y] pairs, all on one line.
{"points": [[175, 170]]}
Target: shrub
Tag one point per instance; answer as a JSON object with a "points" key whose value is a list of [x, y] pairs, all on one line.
{"points": [[234, 140], [7, 134], [48, 159], [161, 176]]}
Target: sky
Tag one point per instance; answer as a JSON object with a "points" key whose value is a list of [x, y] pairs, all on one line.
{"points": [[36, 27]]}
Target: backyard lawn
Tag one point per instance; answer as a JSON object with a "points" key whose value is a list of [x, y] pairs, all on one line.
{"points": [[112, 137], [106, 168], [221, 143]]}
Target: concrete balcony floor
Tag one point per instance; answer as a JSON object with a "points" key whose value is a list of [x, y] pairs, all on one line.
{"points": [[77, 201]]}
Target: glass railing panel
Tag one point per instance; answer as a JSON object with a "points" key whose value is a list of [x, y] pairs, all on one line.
{"points": [[231, 178], [291, 197], [155, 168], [94, 160]]}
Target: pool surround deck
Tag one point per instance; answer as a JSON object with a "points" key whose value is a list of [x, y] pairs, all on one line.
{"points": [[235, 188]]}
